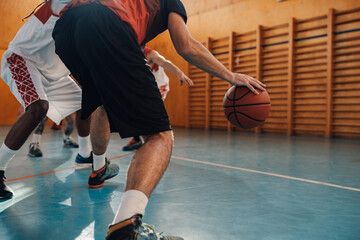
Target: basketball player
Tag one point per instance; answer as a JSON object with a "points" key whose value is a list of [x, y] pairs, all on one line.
{"points": [[34, 148], [41, 83], [68, 142], [157, 64], [99, 41]]}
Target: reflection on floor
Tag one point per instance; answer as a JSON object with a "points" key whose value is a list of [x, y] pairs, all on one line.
{"points": [[218, 186]]}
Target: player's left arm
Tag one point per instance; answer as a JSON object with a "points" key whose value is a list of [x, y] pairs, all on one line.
{"points": [[155, 57], [198, 55]]}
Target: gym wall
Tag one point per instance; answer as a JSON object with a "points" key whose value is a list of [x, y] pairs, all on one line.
{"points": [[11, 13], [307, 52]]}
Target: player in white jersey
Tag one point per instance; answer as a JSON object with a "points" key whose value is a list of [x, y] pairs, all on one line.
{"points": [[157, 64], [41, 83], [68, 141], [34, 147]]}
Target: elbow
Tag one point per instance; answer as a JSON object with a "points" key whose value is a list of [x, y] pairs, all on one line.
{"points": [[186, 49], [186, 52]]}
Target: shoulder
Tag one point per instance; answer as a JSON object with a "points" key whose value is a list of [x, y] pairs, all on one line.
{"points": [[169, 6]]}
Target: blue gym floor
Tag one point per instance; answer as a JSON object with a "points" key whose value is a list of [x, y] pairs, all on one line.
{"points": [[218, 186]]}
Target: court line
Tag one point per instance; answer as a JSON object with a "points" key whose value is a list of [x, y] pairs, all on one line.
{"points": [[268, 173], [121, 156], [207, 163], [40, 174], [59, 170]]}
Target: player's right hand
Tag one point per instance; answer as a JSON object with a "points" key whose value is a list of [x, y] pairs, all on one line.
{"points": [[239, 79], [185, 79]]}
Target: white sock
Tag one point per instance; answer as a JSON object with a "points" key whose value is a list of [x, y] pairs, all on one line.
{"points": [[133, 202], [36, 138], [84, 146], [6, 154], [66, 136], [99, 161]]}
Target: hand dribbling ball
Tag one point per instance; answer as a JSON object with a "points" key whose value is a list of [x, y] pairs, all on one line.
{"points": [[244, 109]]}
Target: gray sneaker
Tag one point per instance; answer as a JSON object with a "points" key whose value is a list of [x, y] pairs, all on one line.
{"points": [[134, 229], [34, 150], [69, 143], [97, 178]]}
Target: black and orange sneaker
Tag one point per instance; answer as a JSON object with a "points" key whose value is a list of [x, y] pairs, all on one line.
{"points": [[5, 191], [132, 145], [134, 229], [97, 178]]}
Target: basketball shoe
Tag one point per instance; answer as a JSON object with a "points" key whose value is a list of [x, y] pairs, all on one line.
{"points": [[69, 143], [81, 161], [34, 150], [5, 191], [134, 229], [132, 145], [97, 178]]}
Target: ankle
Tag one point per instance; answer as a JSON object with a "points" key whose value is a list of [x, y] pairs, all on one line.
{"points": [[98, 161], [133, 203]]}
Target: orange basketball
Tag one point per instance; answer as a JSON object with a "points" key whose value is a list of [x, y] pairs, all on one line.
{"points": [[244, 109]]}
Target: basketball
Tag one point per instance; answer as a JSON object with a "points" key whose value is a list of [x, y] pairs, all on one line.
{"points": [[244, 109]]}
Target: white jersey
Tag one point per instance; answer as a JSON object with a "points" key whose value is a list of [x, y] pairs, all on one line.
{"points": [[162, 80], [34, 41], [33, 71]]}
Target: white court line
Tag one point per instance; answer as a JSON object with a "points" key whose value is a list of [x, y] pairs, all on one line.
{"points": [[267, 173]]}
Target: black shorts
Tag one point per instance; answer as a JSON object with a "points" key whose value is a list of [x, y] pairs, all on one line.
{"points": [[103, 55]]}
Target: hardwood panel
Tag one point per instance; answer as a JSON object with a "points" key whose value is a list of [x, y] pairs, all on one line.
{"points": [[311, 68]]}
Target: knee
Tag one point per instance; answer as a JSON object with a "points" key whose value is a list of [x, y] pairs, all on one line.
{"points": [[166, 138], [169, 135], [38, 109]]}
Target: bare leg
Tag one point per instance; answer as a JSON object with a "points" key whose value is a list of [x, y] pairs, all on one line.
{"points": [[23, 127], [100, 131], [100, 136], [34, 148], [83, 126], [69, 124], [150, 162], [40, 128]]}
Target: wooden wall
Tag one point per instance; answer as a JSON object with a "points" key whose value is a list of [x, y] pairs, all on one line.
{"points": [[312, 78], [311, 68]]}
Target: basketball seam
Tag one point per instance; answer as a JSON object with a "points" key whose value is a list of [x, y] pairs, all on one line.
{"points": [[246, 105], [237, 120], [235, 99], [246, 116]]}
